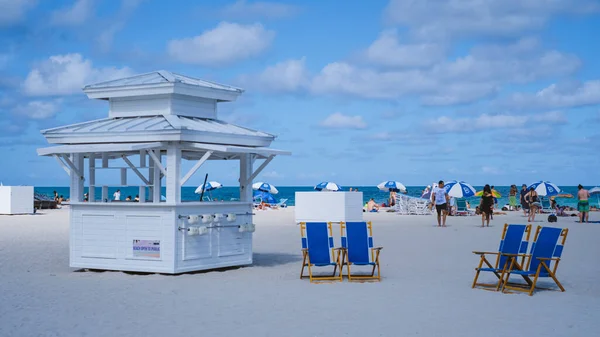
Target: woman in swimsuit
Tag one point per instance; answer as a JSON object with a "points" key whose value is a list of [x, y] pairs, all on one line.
{"points": [[486, 206], [533, 200]]}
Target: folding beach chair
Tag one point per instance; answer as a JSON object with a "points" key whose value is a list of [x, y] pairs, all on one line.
{"points": [[542, 261], [546, 205], [461, 207], [514, 241], [357, 241], [318, 250], [280, 204]]}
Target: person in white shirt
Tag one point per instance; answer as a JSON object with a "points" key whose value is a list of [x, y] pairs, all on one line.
{"points": [[441, 197], [117, 195]]}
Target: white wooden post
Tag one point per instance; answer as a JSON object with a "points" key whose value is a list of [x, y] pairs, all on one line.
{"points": [[173, 179], [143, 155], [77, 180], [104, 193], [92, 178], [245, 173], [156, 178], [151, 179], [104, 160], [142, 193], [123, 176]]}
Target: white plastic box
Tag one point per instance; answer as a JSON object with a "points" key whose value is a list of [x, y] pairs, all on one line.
{"points": [[328, 206], [16, 200]]}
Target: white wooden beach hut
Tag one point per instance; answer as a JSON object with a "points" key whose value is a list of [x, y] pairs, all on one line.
{"points": [[155, 121]]}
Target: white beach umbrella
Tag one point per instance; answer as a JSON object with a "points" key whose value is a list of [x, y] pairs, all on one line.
{"points": [[545, 188], [209, 186], [595, 190], [328, 186], [459, 189], [265, 187], [389, 186]]}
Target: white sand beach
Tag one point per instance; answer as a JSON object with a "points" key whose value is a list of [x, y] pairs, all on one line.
{"points": [[425, 290]]}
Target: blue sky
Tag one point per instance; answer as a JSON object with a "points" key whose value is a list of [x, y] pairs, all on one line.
{"points": [[495, 91]]}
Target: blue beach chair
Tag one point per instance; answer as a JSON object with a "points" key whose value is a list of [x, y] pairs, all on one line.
{"points": [[514, 241], [546, 251], [546, 205], [357, 242], [318, 250]]}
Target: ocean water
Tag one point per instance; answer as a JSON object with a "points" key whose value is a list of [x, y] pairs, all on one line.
{"points": [[288, 192]]}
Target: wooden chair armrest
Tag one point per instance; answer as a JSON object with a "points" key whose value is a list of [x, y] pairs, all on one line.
{"points": [[378, 248], [514, 255], [548, 258], [485, 253], [339, 248], [305, 249]]}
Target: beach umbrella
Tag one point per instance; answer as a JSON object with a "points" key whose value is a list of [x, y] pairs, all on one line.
{"points": [[265, 196], [495, 194], [328, 186], [209, 186], [595, 190], [390, 186], [264, 187], [459, 189], [545, 188]]}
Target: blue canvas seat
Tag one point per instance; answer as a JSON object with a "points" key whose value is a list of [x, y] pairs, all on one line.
{"points": [[514, 241], [318, 250], [357, 242], [546, 251]]}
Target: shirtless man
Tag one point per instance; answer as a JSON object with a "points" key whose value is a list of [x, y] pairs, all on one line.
{"points": [[372, 206], [583, 206]]}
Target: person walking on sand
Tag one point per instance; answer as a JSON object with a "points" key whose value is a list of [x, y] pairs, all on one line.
{"points": [[583, 206], [486, 205], [441, 197], [533, 200], [524, 203], [512, 197]]}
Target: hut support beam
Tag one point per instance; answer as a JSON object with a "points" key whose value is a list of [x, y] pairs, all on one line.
{"points": [[92, 178], [260, 168], [135, 170], [196, 167], [157, 163], [245, 174], [173, 178], [62, 164], [74, 168]]}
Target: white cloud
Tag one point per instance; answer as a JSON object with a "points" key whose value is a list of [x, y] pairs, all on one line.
{"points": [[242, 9], [272, 175], [387, 51], [13, 11], [434, 19], [286, 76], [486, 122], [37, 109], [67, 74], [225, 44], [477, 75], [341, 121], [75, 15], [559, 96]]}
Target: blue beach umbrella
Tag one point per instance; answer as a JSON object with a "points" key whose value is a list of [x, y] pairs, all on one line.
{"points": [[264, 187], [459, 189], [328, 186], [265, 196], [209, 186], [392, 186], [545, 188]]}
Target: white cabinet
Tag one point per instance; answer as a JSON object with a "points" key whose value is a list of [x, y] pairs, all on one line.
{"points": [[329, 206], [16, 200]]}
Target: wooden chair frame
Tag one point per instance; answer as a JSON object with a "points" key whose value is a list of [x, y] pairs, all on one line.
{"points": [[544, 263], [499, 272], [375, 251], [337, 253]]}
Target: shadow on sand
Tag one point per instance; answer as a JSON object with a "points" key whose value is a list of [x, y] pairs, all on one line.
{"points": [[274, 259]]}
